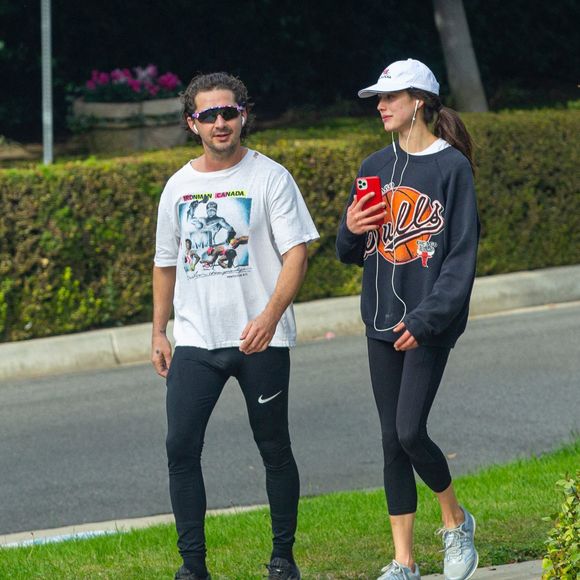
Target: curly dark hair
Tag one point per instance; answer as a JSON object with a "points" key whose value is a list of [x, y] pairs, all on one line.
{"points": [[212, 81]]}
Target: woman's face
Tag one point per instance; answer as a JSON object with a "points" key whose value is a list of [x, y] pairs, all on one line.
{"points": [[396, 110]]}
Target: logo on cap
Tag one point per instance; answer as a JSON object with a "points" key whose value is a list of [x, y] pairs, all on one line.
{"points": [[385, 74]]}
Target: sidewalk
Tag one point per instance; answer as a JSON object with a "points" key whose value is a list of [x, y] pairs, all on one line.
{"points": [[519, 571], [101, 349]]}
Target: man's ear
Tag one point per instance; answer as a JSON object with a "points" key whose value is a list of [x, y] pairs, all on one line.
{"points": [[191, 125]]}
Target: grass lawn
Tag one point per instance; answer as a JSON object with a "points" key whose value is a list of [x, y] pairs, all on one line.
{"points": [[341, 535]]}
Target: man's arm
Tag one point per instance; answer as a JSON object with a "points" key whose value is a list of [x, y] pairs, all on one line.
{"points": [[163, 287], [259, 332]]}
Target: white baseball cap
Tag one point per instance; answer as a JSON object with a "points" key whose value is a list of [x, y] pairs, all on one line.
{"points": [[403, 74]]}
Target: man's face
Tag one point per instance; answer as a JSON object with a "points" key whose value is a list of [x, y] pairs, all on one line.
{"points": [[221, 137], [211, 210]]}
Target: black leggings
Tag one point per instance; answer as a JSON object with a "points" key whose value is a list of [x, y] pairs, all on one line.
{"points": [[404, 385], [195, 381]]}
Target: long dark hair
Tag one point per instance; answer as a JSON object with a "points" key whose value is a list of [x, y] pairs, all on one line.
{"points": [[448, 124]]}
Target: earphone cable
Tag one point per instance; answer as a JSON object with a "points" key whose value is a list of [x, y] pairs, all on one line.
{"points": [[394, 189]]}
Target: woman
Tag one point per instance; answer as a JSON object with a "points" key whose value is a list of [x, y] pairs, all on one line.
{"points": [[418, 272]]}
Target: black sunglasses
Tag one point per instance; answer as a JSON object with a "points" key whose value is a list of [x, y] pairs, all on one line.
{"points": [[227, 112]]}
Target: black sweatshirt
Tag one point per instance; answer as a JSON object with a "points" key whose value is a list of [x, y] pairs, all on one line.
{"points": [[436, 236]]}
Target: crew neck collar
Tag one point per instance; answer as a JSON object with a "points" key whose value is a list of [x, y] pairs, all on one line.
{"points": [[420, 157], [220, 172]]}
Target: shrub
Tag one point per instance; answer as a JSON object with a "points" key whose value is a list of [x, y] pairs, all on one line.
{"points": [[562, 560], [77, 238]]}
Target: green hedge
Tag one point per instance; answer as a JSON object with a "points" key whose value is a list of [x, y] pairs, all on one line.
{"points": [[78, 237], [562, 559]]}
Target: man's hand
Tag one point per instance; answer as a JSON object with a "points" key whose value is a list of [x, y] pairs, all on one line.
{"points": [[359, 220], [258, 333], [406, 341], [161, 354]]}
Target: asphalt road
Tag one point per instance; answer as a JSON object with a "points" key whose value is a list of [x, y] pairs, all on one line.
{"points": [[90, 447]]}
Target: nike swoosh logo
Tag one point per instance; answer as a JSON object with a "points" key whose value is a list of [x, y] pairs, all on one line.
{"points": [[261, 399]]}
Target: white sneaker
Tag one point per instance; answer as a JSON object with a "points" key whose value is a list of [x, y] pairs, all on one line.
{"points": [[396, 571], [461, 557]]}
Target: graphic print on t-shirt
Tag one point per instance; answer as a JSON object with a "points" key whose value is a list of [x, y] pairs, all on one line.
{"points": [[416, 219], [215, 233]]}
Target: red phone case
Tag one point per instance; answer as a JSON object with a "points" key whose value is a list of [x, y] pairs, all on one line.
{"points": [[364, 186]]}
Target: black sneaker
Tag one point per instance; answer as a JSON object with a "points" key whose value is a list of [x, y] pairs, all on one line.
{"points": [[184, 574], [281, 569]]}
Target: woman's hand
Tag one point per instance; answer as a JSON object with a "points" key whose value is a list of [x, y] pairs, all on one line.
{"points": [[406, 341], [359, 220]]}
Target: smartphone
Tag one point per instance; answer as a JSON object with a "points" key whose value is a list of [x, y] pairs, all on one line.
{"points": [[366, 185]]}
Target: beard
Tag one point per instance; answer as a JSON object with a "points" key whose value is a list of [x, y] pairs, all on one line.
{"points": [[223, 149]]}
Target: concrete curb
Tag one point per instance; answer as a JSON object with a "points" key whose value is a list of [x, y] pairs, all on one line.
{"points": [[519, 571], [80, 531], [100, 349]]}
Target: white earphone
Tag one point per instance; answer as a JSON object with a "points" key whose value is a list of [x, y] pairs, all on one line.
{"points": [[194, 129], [393, 247], [415, 111], [243, 121]]}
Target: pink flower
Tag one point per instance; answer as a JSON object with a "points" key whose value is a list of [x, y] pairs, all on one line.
{"points": [[168, 81], [151, 71], [118, 77], [151, 88], [146, 74], [103, 78], [135, 85]]}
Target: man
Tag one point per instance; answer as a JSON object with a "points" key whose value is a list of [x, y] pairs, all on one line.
{"points": [[229, 322], [215, 223]]}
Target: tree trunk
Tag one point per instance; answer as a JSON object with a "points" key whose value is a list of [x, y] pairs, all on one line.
{"points": [[462, 69]]}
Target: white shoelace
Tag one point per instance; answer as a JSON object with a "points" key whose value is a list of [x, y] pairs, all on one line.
{"points": [[453, 541], [395, 567]]}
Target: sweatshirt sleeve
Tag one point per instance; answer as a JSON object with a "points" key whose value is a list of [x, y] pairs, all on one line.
{"points": [[349, 247], [451, 292]]}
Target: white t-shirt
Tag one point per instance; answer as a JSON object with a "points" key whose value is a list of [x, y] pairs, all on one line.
{"points": [[435, 147], [226, 232]]}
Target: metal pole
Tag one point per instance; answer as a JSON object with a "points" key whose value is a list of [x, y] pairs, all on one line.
{"points": [[47, 125]]}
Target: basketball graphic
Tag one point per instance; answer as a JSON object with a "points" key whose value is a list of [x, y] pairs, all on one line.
{"points": [[416, 219]]}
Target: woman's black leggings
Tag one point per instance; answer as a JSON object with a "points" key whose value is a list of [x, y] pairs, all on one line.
{"points": [[404, 385], [195, 381]]}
